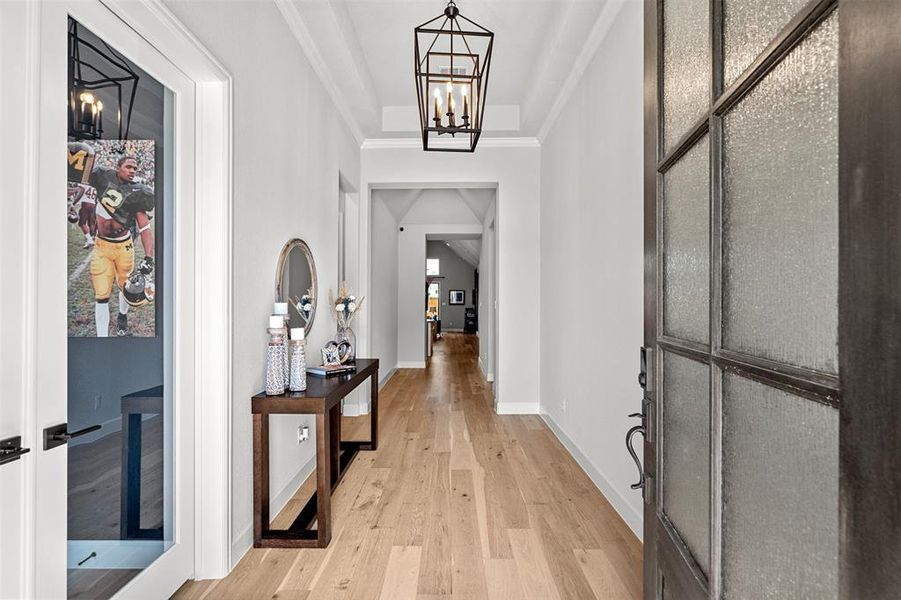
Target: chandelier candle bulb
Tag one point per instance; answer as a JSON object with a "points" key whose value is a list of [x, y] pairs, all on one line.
{"points": [[437, 117]]}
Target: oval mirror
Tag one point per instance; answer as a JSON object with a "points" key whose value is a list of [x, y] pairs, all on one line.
{"points": [[295, 283]]}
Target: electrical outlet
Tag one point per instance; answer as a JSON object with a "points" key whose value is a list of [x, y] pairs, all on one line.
{"points": [[98, 402], [303, 434]]}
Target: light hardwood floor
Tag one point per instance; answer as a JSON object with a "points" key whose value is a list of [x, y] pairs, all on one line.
{"points": [[457, 503]]}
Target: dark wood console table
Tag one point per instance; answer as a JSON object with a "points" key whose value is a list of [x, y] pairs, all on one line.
{"points": [[323, 398]]}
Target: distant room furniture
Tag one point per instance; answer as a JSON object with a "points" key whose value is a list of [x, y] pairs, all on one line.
{"points": [[470, 321], [134, 407], [323, 399]]}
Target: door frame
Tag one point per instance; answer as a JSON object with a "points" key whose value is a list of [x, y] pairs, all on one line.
{"points": [[869, 282], [208, 338], [869, 271]]}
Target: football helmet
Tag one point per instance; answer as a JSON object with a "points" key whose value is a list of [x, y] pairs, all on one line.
{"points": [[139, 289]]}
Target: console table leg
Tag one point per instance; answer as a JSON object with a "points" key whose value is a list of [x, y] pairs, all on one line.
{"points": [[335, 446], [323, 479], [374, 410], [260, 477]]}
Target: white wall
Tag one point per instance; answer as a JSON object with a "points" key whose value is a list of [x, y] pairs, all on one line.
{"points": [[487, 293], [289, 146], [515, 170], [591, 254], [382, 297]]}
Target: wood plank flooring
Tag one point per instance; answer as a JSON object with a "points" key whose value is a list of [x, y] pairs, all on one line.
{"points": [[457, 503]]}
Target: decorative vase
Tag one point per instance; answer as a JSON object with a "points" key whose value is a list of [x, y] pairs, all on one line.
{"points": [[347, 335], [275, 363], [298, 376]]}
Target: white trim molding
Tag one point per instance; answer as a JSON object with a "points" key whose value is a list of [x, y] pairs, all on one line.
{"points": [[297, 26], [517, 408], [411, 364], [213, 192], [632, 518], [484, 142], [598, 33]]}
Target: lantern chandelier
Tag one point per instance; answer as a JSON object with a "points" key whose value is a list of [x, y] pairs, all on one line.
{"points": [[451, 80], [99, 69]]}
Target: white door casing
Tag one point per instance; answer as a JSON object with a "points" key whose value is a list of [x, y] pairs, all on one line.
{"points": [[33, 297]]}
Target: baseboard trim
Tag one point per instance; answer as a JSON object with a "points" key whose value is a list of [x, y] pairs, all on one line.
{"points": [[633, 519], [383, 380], [351, 410], [240, 545], [411, 364], [244, 540], [517, 408]]}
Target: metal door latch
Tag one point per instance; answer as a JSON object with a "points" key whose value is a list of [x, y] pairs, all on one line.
{"points": [[11, 449], [58, 435]]}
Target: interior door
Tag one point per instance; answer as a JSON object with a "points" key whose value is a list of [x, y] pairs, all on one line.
{"points": [[741, 288], [113, 514]]}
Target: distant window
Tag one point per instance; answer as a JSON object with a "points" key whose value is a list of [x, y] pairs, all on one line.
{"points": [[431, 267]]}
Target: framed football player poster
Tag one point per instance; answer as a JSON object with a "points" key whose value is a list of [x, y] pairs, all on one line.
{"points": [[111, 238]]}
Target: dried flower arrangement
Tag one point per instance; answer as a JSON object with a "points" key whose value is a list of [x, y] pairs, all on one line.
{"points": [[346, 305], [304, 305]]}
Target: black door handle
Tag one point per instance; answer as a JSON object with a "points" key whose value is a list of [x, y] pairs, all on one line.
{"points": [[58, 435], [629, 434], [11, 449]]}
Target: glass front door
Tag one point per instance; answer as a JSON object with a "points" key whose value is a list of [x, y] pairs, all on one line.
{"points": [[743, 223]]}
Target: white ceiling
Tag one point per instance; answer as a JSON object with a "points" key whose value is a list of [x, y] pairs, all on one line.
{"points": [[468, 250], [363, 51]]}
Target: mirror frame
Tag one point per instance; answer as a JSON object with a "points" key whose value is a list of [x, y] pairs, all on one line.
{"points": [[280, 269]]}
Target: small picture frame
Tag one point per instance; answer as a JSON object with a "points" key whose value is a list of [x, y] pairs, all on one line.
{"points": [[456, 297]]}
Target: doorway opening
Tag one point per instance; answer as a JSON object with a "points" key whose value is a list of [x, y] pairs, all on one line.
{"points": [[432, 271]]}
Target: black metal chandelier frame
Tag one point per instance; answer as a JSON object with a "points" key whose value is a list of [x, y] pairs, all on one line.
{"points": [[85, 111], [473, 68]]}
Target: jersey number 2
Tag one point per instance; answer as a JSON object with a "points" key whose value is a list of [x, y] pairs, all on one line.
{"points": [[112, 199]]}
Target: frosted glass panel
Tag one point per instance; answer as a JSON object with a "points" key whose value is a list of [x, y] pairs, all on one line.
{"points": [[686, 245], [748, 27], [780, 494], [780, 211], [686, 452], [686, 66]]}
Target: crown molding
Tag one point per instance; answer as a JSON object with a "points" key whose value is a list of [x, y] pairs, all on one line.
{"points": [[407, 143], [305, 39], [595, 38]]}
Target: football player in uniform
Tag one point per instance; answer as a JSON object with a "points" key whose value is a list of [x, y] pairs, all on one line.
{"points": [[122, 204], [82, 197]]}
